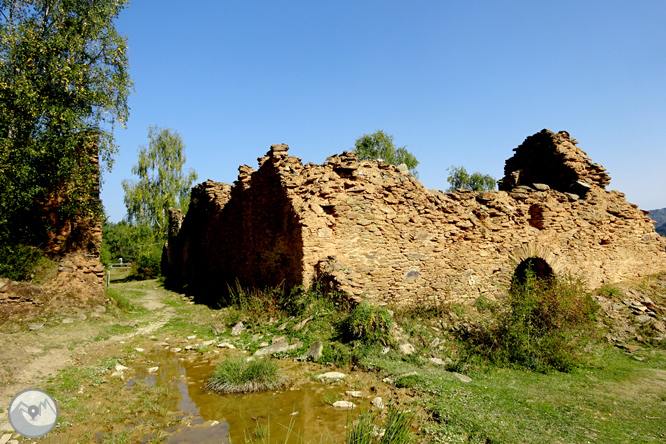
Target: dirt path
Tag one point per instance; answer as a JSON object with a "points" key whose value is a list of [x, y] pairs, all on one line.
{"points": [[27, 357]]}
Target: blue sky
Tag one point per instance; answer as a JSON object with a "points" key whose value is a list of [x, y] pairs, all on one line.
{"points": [[458, 82]]}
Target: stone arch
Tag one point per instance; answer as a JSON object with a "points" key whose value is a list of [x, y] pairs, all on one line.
{"points": [[538, 255]]}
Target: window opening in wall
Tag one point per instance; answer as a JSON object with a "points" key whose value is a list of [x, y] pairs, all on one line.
{"points": [[539, 267]]}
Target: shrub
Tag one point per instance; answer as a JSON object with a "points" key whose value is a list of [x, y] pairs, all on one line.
{"points": [[395, 429], [544, 324], [18, 262], [237, 375], [367, 323], [147, 265]]}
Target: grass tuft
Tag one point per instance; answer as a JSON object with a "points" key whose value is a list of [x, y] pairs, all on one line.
{"points": [[237, 375]]}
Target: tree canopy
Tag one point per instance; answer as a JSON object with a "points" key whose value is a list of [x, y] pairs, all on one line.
{"points": [[459, 178], [162, 183], [64, 84], [379, 145]]}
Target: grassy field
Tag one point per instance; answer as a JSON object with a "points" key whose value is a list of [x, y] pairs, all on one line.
{"points": [[612, 396]]}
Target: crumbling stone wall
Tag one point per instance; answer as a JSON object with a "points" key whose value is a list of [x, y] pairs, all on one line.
{"points": [[76, 241], [370, 229]]}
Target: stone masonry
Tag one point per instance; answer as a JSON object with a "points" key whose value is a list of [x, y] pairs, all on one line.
{"points": [[370, 229]]}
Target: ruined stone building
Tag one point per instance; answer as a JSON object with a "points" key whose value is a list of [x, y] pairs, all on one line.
{"points": [[370, 229]]}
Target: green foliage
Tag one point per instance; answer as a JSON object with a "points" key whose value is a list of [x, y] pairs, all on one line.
{"points": [[18, 262], [148, 264], [367, 323], [379, 145], [162, 183], [544, 324], [64, 84], [133, 243], [460, 178], [238, 375]]}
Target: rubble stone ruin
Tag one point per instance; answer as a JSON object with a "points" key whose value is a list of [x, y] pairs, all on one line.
{"points": [[370, 229]]}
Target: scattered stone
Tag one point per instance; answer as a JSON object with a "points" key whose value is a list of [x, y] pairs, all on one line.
{"points": [[385, 350], [152, 369], [463, 378], [629, 348], [36, 327], [191, 337], [120, 368], [99, 309], [176, 349], [438, 361], [407, 348], [218, 329], [264, 344], [5, 438], [255, 338], [189, 347], [331, 376], [435, 342], [344, 405], [283, 326], [296, 345], [354, 393], [277, 339], [378, 402], [208, 343], [139, 349], [163, 344], [237, 329], [225, 345], [315, 351], [302, 323], [541, 186], [643, 318], [409, 374], [67, 321], [278, 347]]}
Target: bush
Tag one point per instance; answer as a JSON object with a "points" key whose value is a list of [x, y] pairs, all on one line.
{"points": [[18, 262], [395, 429], [237, 375], [544, 324], [147, 265], [367, 323]]}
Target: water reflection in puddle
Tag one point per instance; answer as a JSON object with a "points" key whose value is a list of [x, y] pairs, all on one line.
{"points": [[211, 417]]}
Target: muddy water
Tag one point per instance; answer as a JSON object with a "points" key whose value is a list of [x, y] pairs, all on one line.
{"points": [[300, 409]]}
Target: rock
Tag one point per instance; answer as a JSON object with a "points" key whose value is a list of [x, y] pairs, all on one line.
{"points": [[139, 349], [120, 368], [176, 349], [344, 405], [407, 348], [278, 347], [354, 393], [264, 344], [643, 318], [218, 329], [315, 351], [408, 374], [225, 345], [438, 361], [296, 345], [67, 321], [189, 347], [283, 326], [463, 378], [435, 342], [237, 329], [191, 337], [36, 326], [277, 339], [331, 376], [541, 186], [256, 337], [302, 323], [152, 369], [163, 344], [208, 343], [378, 402], [99, 309]]}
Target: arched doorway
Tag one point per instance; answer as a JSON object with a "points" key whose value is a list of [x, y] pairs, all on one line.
{"points": [[538, 266]]}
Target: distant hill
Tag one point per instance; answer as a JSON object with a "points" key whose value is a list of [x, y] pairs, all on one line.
{"points": [[660, 217]]}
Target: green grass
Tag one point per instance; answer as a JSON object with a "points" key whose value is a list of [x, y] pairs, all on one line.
{"points": [[238, 375]]}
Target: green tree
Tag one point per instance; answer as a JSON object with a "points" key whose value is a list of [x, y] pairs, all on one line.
{"points": [[459, 178], [379, 145], [64, 84], [162, 183]]}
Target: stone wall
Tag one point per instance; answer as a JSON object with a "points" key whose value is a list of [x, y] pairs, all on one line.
{"points": [[370, 229]]}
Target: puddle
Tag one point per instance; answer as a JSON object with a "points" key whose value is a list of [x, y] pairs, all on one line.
{"points": [[211, 417]]}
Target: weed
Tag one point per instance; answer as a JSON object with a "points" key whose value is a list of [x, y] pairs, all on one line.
{"points": [[368, 323], [394, 430], [330, 399], [237, 375], [610, 292], [545, 324]]}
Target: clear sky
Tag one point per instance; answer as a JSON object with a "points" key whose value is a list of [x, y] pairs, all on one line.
{"points": [[458, 82]]}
